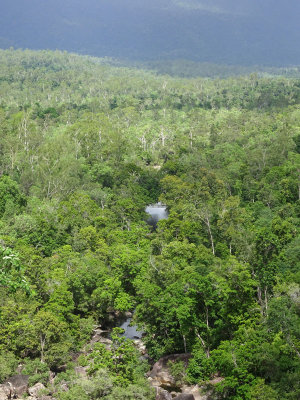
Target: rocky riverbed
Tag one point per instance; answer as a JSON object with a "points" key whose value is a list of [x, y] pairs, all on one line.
{"points": [[159, 377]]}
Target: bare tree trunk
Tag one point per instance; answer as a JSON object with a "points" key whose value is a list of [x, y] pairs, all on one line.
{"points": [[205, 348], [163, 137], [207, 222], [184, 343], [299, 184], [266, 300], [207, 322], [42, 341], [293, 346], [260, 301]]}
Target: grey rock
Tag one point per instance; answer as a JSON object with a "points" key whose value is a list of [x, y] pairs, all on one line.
{"points": [[162, 363], [5, 392], [128, 314], [81, 371], [194, 390], [35, 390], [140, 346], [99, 337], [40, 398], [105, 341], [19, 369], [184, 396], [52, 376], [216, 380], [98, 331], [64, 387], [160, 374], [18, 385], [162, 394]]}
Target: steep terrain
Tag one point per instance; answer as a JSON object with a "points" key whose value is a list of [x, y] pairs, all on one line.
{"points": [[85, 148]]}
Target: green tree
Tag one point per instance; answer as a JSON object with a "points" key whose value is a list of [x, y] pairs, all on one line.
{"points": [[12, 271], [12, 201]]}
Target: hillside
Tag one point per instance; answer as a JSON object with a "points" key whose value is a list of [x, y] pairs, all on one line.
{"points": [[239, 32], [214, 287]]}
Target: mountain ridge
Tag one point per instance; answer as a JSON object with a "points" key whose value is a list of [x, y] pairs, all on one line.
{"points": [[218, 31]]}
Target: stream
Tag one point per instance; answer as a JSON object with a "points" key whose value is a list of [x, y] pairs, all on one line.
{"points": [[156, 213], [131, 331]]}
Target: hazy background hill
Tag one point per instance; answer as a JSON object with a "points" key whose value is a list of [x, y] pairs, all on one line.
{"points": [[243, 32]]}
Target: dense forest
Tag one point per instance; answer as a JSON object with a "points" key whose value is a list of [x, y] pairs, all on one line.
{"points": [[85, 147]]}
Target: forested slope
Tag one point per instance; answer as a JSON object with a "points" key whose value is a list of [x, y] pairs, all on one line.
{"points": [[84, 148], [234, 32]]}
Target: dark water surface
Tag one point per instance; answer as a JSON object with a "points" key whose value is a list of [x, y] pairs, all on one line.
{"points": [[157, 212], [131, 332]]}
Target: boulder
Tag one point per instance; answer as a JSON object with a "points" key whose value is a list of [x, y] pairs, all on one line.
{"points": [[81, 371], [35, 390], [195, 390], [40, 398], [5, 392], [216, 380], [162, 363], [107, 342], [18, 385], [160, 374], [139, 344], [128, 314], [184, 396], [64, 387], [99, 336], [162, 394], [52, 377]]}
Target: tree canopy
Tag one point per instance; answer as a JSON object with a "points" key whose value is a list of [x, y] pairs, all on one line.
{"points": [[84, 149]]}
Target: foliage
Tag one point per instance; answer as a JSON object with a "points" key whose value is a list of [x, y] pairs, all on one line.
{"points": [[8, 364], [101, 386], [84, 149], [37, 371], [177, 370], [11, 271], [121, 360]]}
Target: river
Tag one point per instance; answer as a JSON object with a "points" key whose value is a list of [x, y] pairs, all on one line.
{"points": [[156, 213], [131, 331]]}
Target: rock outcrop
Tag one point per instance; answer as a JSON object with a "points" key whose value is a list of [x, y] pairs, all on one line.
{"points": [[184, 396], [5, 392], [36, 390], [18, 385], [160, 375], [162, 394], [165, 384]]}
